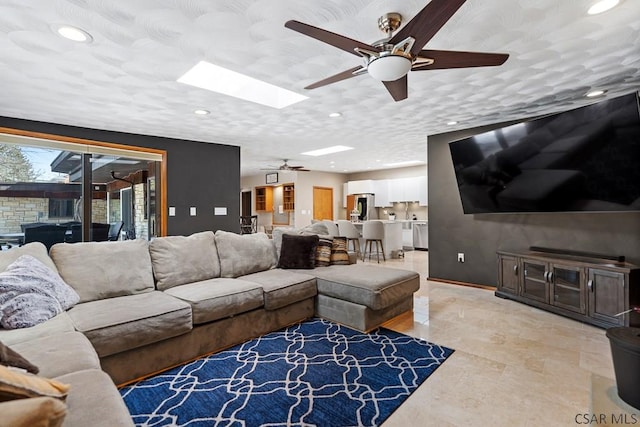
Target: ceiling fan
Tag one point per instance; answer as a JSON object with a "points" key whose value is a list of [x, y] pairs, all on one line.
{"points": [[390, 59], [286, 167]]}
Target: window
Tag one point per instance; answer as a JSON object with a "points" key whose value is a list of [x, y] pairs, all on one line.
{"points": [[47, 180], [61, 208]]}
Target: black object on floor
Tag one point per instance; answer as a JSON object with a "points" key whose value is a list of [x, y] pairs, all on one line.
{"points": [[625, 349]]}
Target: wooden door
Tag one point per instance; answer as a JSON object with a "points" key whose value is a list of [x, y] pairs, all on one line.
{"points": [[322, 203], [245, 203]]}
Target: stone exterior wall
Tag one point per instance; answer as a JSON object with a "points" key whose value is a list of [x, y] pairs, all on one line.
{"points": [[142, 224], [99, 211], [19, 210]]}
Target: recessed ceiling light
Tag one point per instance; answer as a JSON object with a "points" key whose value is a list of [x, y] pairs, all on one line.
{"points": [[452, 122], [328, 150], [205, 75], [201, 112], [595, 93], [73, 33], [335, 114], [602, 6]]}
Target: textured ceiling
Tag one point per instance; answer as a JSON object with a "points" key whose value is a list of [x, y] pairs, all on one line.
{"points": [[126, 79]]}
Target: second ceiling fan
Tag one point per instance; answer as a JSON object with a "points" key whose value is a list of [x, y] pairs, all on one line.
{"points": [[390, 59]]}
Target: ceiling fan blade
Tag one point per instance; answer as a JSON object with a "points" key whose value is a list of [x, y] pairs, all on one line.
{"points": [[456, 59], [398, 88], [336, 40], [427, 23], [353, 72]]}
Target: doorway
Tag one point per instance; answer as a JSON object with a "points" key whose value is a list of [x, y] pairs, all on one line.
{"points": [[322, 203], [245, 203]]}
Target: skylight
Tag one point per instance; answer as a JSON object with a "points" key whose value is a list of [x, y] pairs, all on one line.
{"points": [[407, 163], [211, 77], [328, 150]]}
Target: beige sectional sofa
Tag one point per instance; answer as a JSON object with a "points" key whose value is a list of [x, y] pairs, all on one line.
{"points": [[147, 306]]}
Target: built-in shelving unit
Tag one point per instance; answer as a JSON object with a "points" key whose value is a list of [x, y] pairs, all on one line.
{"points": [[288, 197], [264, 199]]}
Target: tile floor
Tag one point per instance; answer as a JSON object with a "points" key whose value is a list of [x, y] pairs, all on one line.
{"points": [[514, 365]]}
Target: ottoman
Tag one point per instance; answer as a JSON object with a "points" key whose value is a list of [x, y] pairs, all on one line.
{"points": [[364, 296]]}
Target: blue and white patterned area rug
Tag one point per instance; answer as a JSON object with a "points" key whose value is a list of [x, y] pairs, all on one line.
{"points": [[316, 373]]}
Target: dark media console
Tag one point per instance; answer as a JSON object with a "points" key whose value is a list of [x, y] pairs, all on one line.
{"points": [[598, 289]]}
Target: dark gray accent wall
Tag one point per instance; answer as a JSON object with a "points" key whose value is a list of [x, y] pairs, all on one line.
{"points": [[199, 174], [480, 236]]}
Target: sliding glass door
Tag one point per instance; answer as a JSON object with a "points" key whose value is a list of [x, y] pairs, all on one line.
{"points": [[95, 193]]}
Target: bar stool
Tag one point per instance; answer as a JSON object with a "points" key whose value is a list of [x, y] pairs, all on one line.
{"points": [[373, 231], [348, 230], [332, 228]]}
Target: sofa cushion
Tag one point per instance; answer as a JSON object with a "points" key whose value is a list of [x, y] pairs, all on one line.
{"points": [[244, 254], [59, 324], [31, 293], [36, 411], [219, 298], [298, 251], [369, 285], [16, 384], [117, 324], [178, 259], [283, 287], [35, 249], [99, 270], [60, 354], [94, 401]]}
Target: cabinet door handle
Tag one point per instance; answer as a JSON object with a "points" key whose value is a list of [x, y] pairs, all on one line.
{"points": [[546, 276], [550, 276], [590, 285], [515, 269]]}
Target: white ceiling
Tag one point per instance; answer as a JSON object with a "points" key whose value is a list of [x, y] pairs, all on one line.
{"points": [[126, 79]]}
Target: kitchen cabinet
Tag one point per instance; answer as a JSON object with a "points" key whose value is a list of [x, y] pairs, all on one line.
{"points": [[264, 199], [381, 192], [389, 191], [588, 289], [364, 186], [413, 189]]}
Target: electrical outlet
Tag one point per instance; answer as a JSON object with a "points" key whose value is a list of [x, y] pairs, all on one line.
{"points": [[460, 257]]}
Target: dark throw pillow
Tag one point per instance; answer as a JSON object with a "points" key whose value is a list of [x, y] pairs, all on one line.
{"points": [[323, 251], [298, 251], [9, 357], [339, 253]]}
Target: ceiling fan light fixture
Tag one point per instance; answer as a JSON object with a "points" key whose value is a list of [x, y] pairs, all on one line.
{"points": [[602, 6], [389, 68], [595, 93]]}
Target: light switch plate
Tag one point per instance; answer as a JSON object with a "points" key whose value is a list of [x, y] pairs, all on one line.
{"points": [[192, 211], [172, 211]]}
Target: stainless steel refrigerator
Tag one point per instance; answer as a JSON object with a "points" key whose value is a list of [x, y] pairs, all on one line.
{"points": [[364, 204]]}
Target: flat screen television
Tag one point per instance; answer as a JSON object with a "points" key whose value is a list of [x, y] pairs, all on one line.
{"points": [[586, 159]]}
